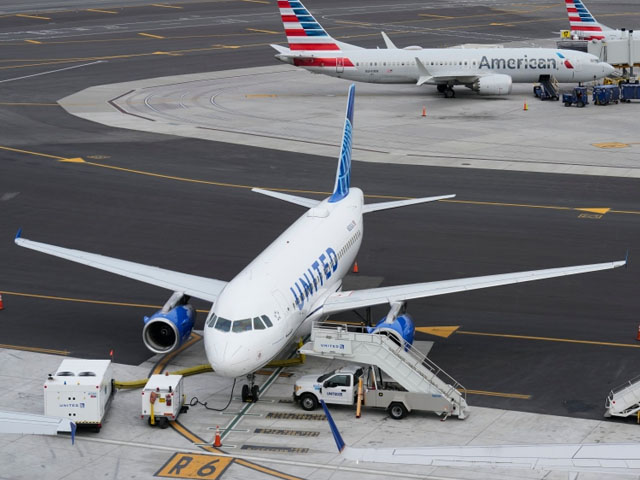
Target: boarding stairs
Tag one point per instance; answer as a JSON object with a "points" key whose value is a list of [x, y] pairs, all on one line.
{"points": [[549, 88], [404, 363], [624, 401]]}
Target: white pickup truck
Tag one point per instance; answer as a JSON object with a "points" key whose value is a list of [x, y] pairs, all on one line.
{"points": [[341, 387]]}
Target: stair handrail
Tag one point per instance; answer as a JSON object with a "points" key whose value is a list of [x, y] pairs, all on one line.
{"points": [[419, 358]]}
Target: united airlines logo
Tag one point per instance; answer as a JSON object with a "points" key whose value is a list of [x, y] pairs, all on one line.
{"points": [[315, 276], [523, 62]]}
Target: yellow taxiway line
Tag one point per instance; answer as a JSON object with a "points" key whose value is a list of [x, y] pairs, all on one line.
{"points": [[38, 17], [519, 396], [150, 35], [550, 339], [599, 210], [35, 349], [84, 300]]}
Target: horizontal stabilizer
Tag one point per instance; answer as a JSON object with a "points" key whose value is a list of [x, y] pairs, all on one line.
{"points": [[305, 202], [280, 49], [374, 207]]}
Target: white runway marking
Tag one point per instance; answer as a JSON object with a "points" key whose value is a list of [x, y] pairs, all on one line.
{"points": [[50, 71]]}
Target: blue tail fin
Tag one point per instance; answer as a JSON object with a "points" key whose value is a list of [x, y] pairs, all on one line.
{"points": [[343, 175], [336, 434]]}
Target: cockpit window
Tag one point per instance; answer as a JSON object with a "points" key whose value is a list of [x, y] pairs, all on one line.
{"points": [[242, 325], [257, 324], [211, 320], [266, 320], [223, 324]]}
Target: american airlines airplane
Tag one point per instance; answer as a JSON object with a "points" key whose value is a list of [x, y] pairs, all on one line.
{"points": [[488, 71], [295, 281], [603, 459], [586, 27]]}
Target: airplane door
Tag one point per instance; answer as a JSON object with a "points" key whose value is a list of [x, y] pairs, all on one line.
{"points": [[339, 65]]}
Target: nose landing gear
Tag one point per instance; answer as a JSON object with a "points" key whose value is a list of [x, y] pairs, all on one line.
{"points": [[250, 394]]}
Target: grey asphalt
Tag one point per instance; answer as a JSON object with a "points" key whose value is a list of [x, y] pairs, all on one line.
{"points": [[215, 231]]}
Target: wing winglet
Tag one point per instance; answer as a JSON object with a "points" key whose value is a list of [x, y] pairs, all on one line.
{"points": [[425, 76], [388, 42], [334, 430], [18, 234]]}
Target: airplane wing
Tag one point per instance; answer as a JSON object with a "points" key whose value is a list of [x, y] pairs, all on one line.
{"points": [[603, 458], [192, 285], [28, 423], [427, 78], [350, 300]]}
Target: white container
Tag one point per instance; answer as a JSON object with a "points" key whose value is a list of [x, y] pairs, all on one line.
{"points": [[162, 399], [80, 390]]}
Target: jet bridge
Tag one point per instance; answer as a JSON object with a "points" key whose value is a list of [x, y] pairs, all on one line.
{"points": [[405, 364], [624, 401]]}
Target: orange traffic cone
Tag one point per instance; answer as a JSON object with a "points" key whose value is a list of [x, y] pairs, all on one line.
{"points": [[526, 107], [637, 336], [217, 442], [355, 268], [1, 304], [424, 111]]}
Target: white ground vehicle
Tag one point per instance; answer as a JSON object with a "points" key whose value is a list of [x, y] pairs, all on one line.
{"points": [[341, 387], [80, 390]]}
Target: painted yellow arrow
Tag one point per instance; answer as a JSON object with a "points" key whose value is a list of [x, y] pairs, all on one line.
{"points": [[600, 211], [72, 160], [444, 332]]}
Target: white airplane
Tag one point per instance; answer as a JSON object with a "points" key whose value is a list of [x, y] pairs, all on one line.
{"points": [[488, 71], [295, 281], [601, 458], [584, 26]]}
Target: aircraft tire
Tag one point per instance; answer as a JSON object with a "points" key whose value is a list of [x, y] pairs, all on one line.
{"points": [[245, 393]]}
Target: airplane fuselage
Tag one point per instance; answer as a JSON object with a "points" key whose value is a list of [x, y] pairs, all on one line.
{"points": [[399, 65], [287, 283]]}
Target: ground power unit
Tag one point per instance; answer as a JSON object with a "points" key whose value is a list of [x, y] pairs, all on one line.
{"points": [[80, 390], [163, 399]]}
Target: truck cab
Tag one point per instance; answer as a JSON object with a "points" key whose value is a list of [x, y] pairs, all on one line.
{"points": [[336, 387]]}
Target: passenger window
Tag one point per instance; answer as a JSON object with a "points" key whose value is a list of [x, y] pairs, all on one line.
{"points": [[257, 324], [223, 324], [242, 326], [266, 321]]}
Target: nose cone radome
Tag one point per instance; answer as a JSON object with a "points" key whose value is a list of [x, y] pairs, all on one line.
{"points": [[229, 358], [607, 69]]}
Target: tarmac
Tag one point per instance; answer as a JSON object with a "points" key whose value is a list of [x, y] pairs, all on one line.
{"points": [[272, 107], [168, 187], [273, 438]]}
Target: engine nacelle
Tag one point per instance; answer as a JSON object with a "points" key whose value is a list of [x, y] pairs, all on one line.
{"points": [[496, 84], [165, 331], [401, 330]]}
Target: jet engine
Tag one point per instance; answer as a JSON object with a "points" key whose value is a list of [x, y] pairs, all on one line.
{"points": [[170, 326], [397, 325], [496, 84]]}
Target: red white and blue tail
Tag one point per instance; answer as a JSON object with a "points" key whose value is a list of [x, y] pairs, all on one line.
{"points": [[582, 22], [303, 30]]}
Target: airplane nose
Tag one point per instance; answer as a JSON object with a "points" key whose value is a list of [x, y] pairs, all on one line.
{"points": [[228, 358], [608, 69]]}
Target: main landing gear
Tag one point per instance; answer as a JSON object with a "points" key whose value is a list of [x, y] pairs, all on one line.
{"points": [[447, 90], [251, 392]]}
